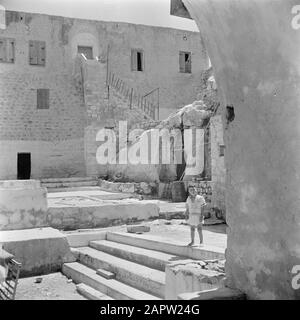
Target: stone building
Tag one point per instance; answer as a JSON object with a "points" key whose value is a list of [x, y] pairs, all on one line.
{"points": [[52, 100]]}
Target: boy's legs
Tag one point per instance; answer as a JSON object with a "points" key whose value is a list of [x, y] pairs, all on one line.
{"points": [[192, 235], [199, 228]]}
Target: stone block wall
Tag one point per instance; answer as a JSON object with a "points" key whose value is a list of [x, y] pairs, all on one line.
{"points": [[189, 276], [100, 215], [74, 105], [142, 188], [53, 136], [23, 205]]}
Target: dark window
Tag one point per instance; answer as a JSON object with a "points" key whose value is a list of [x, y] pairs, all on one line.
{"points": [[7, 50], [42, 98], [86, 51], [185, 62], [37, 53], [137, 60], [24, 166], [221, 150]]}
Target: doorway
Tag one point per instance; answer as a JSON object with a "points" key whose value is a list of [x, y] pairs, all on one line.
{"points": [[24, 166]]}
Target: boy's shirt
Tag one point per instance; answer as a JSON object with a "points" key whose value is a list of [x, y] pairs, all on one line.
{"points": [[194, 207]]}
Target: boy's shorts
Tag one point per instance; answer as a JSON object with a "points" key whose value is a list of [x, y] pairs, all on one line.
{"points": [[194, 220]]}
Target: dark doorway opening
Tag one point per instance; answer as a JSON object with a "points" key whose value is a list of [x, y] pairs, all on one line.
{"points": [[24, 166]]}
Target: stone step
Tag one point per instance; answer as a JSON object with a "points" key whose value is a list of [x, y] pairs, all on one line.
{"points": [[133, 274], [106, 274], [73, 189], [149, 258], [222, 293], [73, 184], [73, 179], [146, 241], [113, 288], [91, 293]]}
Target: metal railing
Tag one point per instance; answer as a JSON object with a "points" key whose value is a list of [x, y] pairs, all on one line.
{"points": [[148, 102]]}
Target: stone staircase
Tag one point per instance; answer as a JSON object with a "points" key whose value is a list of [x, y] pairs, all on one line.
{"points": [[148, 103], [63, 184], [126, 266]]}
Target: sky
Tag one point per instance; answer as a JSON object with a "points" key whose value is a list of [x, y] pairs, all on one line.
{"points": [[149, 12]]}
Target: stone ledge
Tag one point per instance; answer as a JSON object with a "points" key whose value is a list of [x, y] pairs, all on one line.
{"points": [[40, 250], [186, 276], [213, 294], [138, 229], [23, 205], [82, 239]]}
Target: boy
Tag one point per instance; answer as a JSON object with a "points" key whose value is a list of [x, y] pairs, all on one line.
{"points": [[194, 215]]}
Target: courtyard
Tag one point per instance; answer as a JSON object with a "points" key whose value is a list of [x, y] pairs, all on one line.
{"points": [[149, 159]]}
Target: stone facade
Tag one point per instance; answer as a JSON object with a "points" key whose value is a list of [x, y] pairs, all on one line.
{"points": [[56, 137]]}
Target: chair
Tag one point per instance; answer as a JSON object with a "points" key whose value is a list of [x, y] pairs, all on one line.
{"points": [[8, 287]]}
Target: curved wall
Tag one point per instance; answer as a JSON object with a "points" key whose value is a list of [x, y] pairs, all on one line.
{"points": [[255, 53]]}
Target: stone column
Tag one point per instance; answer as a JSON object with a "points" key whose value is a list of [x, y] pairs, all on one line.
{"points": [[255, 53]]}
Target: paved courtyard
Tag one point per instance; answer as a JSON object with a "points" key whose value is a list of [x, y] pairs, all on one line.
{"points": [[54, 286]]}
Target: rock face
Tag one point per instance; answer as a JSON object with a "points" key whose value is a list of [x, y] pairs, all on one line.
{"points": [[258, 73], [193, 116]]}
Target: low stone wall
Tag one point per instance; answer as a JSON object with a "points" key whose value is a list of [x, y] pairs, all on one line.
{"points": [[143, 188], [23, 204], [105, 214], [189, 276], [40, 250]]}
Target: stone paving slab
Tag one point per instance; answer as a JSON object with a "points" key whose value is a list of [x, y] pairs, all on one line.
{"points": [[54, 286]]}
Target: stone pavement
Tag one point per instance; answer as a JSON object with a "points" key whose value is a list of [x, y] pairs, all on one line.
{"points": [[54, 286]]}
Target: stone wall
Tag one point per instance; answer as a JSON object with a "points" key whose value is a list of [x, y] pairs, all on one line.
{"points": [[63, 158], [53, 136], [258, 75], [190, 276], [102, 214], [23, 205], [39, 250], [65, 121], [142, 188]]}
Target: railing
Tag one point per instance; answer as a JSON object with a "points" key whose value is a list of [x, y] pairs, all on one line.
{"points": [[149, 102]]}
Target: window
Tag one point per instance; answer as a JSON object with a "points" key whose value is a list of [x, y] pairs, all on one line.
{"points": [[42, 98], [221, 150], [86, 51], [7, 50], [185, 62], [37, 53], [137, 60]]}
